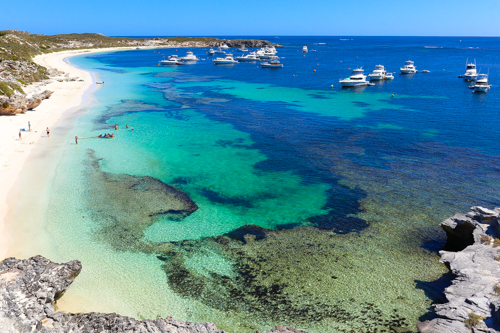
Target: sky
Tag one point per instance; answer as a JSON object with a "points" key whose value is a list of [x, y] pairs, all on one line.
{"points": [[256, 17]]}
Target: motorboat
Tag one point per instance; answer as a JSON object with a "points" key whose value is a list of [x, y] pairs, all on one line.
{"points": [[228, 59], [388, 76], [482, 84], [358, 78], [426, 71], [378, 73], [224, 46], [408, 68], [242, 49], [219, 51], [274, 62], [190, 57], [251, 57], [304, 49], [173, 60], [470, 71], [266, 52], [211, 52]]}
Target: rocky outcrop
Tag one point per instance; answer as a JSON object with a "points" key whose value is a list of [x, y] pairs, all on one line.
{"points": [[20, 103], [28, 292], [30, 288], [242, 42], [474, 296]]}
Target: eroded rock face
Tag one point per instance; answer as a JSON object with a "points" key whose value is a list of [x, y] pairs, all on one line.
{"points": [[20, 104], [477, 270]]}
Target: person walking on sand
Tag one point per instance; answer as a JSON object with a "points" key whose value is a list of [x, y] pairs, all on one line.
{"points": [[20, 135], [29, 126], [48, 132], [76, 139]]}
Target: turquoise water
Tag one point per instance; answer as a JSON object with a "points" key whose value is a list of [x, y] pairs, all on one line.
{"points": [[318, 207]]}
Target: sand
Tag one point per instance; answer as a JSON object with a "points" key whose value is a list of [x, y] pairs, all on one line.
{"points": [[68, 97]]}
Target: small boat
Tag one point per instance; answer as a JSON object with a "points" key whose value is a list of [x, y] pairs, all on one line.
{"points": [[242, 49], [358, 78], [173, 60], [190, 57], [266, 52], [211, 52], [273, 63], [304, 49], [388, 76], [409, 68], [226, 60], [219, 51], [251, 57], [425, 71], [470, 71], [312, 51], [224, 46], [99, 82], [378, 73], [482, 84]]}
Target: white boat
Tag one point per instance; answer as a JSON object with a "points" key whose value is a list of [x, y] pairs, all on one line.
{"points": [[358, 78], [219, 51], [408, 68], [304, 49], [378, 73], [482, 84], [470, 71], [266, 52], [273, 63], [389, 76], [251, 57], [211, 52], [190, 57], [242, 49], [224, 46], [173, 60], [226, 60]]}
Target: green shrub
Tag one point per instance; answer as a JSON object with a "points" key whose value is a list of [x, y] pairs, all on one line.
{"points": [[5, 89], [5, 105], [473, 320], [21, 81], [496, 290]]}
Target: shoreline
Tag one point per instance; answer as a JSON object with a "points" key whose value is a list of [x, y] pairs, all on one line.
{"points": [[15, 152]]}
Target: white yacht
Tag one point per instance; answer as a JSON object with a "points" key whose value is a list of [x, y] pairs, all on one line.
{"points": [[304, 49], [251, 57], [242, 49], [408, 68], [211, 52], [227, 60], [219, 51], [224, 46], [358, 78], [274, 62], [482, 84], [173, 60], [266, 52], [470, 71], [378, 73], [190, 57]]}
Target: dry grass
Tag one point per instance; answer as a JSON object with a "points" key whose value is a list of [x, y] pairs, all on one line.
{"points": [[473, 320]]}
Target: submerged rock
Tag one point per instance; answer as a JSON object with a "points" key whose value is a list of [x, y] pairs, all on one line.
{"points": [[474, 296], [30, 288]]}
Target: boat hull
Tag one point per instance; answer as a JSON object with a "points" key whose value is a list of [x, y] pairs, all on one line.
{"points": [[225, 62], [408, 71], [481, 88], [353, 83], [271, 66], [470, 77], [247, 60], [375, 77]]}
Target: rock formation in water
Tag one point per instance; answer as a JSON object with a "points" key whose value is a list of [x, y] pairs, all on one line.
{"points": [[20, 103], [474, 296], [30, 288]]}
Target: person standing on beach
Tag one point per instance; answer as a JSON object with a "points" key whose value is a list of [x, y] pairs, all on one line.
{"points": [[48, 132], [20, 135], [29, 126], [76, 139]]}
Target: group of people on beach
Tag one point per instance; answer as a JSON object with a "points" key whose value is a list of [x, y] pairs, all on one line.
{"points": [[29, 130]]}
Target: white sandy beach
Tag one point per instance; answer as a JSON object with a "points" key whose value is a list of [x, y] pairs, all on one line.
{"points": [[15, 152]]}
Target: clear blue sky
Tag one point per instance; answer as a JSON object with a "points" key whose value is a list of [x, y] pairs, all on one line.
{"points": [[256, 17]]}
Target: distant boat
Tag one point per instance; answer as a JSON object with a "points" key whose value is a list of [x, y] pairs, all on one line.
{"points": [[211, 51], [219, 51], [190, 57], [251, 57], [388, 76], [304, 49], [378, 73], [408, 68], [470, 71], [224, 46], [226, 60], [358, 78], [242, 49], [425, 71], [173, 60], [482, 84], [273, 63]]}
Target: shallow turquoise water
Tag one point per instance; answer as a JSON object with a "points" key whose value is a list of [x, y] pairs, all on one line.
{"points": [[349, 186]]}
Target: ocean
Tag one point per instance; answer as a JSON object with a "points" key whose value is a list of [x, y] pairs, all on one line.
{"points": [[318, 207]]}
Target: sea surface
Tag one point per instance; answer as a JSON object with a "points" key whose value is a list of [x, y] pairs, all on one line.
{"points": [[318, 207]]}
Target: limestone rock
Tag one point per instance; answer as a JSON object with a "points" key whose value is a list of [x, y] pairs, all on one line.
{"points": [[20, 103], [477, 274]]}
